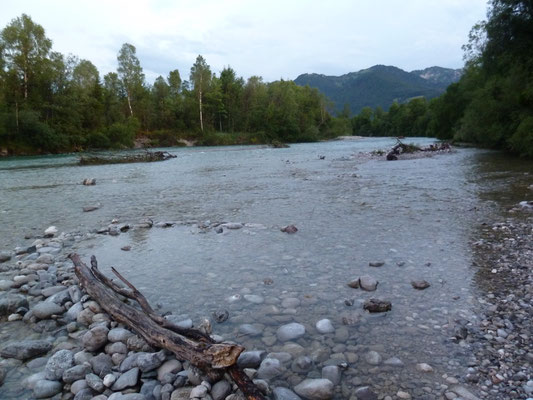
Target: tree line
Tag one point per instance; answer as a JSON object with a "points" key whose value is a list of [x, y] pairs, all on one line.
{"points": [[50, 102], [491, 106]]}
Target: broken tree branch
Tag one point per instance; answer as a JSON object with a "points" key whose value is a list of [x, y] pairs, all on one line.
{"points": [[187, 344]]}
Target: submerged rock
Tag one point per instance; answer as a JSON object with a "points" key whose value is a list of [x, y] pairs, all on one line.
{"points": [[368, 283], [315, 389], [289, 229], [377, 305], [290, 331], [26, 349], [420, 285]]}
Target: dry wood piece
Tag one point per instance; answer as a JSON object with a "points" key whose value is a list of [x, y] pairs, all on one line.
{"points": [[187, 344]]}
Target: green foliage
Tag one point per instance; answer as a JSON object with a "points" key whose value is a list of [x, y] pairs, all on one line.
{"points": [[521, 141]]}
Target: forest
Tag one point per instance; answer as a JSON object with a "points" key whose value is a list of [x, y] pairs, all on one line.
{"points": [[51, 103], [491, 106]]}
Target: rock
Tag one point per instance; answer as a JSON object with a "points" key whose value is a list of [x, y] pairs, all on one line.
{"points": [[324, 326], [50, 231], [290, 331], [150, 361], [463, 392], [58, 364], [44, 389], [85, 394], [119, 335], [91, 208], [373, 358], [5, 284], [5, 256], [74, 311], [420, 285], [377, 305], [76, 373], [198, 391], [220, 390], [95, 338], [170, 366], [251, 359], [376, 263], [281, 393], [315, 389], [403, 395], [9, 303], [232, 225], [78, 386], [333, 373], [220, 315], [394, 362], [290, 302], [270, 368], [250, 330], [89, 181], [127, 379], [109, 379], [368, 283], [354, 284], [101, 364], [289, 229], [254, 298], [26, 349], [364, 393], [46, 309], [181, 394], [95, 382], [423, 367], [2, 375]]}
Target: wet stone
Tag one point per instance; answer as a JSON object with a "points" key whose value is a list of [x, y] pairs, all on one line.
{"points": [[95, 338], [364, 393], [220, 390], [44, 389], [368, 283], [45, 310], [251, 359], [373, 358], [324, 326], [76, 373], [333, 373], [377, 305], [376, 263], [315, 389], [127, 379], [281, 393], [420, 284], [58, 364], [270, 368], [290, 331], [26, 349], [254, 298], [249, 329]]}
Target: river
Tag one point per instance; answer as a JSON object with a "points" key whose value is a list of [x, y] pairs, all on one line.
{"points": [[416, 216]]}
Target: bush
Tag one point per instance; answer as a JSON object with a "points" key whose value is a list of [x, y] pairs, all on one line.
{"points": [[123, 134], [521, 141]]}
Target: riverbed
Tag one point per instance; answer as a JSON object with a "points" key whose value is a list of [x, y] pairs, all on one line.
{"points": [[415, 218]]}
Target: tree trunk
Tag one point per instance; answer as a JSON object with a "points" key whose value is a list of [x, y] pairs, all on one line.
{"points": [[129, 103]]}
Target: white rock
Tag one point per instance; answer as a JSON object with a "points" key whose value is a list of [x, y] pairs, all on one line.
{"points": [[290, 331], [324, 326], [50, 231]]}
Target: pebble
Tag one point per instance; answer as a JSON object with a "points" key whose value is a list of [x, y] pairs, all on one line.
{"points": [[373, 357], [315, 389], [423, 367], [58, 364], [127, 379]]}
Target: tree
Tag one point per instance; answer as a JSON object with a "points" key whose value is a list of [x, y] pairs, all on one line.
{"points": [[130, 73], [24, 47], [200, 78]]}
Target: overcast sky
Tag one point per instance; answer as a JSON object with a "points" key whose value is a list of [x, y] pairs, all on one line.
{"points": [[274, 39]]}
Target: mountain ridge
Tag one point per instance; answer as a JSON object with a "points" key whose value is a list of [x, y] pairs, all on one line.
{"points": [[380, 85]]}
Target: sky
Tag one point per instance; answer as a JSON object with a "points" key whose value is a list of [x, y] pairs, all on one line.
{"points": [[275, 39]]}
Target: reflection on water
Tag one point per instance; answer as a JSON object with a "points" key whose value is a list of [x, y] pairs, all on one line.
{"points": [[417, 216]]}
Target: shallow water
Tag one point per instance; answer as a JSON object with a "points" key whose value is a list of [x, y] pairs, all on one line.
{"points": [[418, 216]]}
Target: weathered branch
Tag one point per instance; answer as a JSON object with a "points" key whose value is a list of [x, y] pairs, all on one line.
{"points": [[187, 344]]}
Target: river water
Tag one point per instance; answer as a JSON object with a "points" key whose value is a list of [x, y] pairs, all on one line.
{"points": [[417, 216]]}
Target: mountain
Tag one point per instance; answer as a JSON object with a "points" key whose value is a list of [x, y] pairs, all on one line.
{"points": [[380, 86]]}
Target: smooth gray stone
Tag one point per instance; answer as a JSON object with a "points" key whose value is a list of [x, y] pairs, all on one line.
{"points": [[315, 389], [95, 338], [127, 379], [101, 364], [5, 256], [119, 335], [290, 331], [44, 389], [26, 349], [333, 373], [73, 312], [58, 364], [251, 359], [78, 386], [368, 283], [150, 361], [281, 393], [45, 310], [249, 329], [324, 326], [9, 303], [270, 368], [463, 392], [84, 394], [95, 382], [76, 373], [373, 358], [364, 393], [147, 389], [220, 390]]}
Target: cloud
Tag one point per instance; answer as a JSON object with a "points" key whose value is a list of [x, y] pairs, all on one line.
{"points": [[273, 39]]}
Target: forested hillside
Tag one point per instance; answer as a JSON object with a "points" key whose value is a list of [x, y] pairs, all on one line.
{"points": [[50, 102], [380, 86], [491, 105]]}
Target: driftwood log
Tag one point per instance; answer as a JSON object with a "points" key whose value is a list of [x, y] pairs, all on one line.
{"points": [[401, 148], [187, 344]]}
